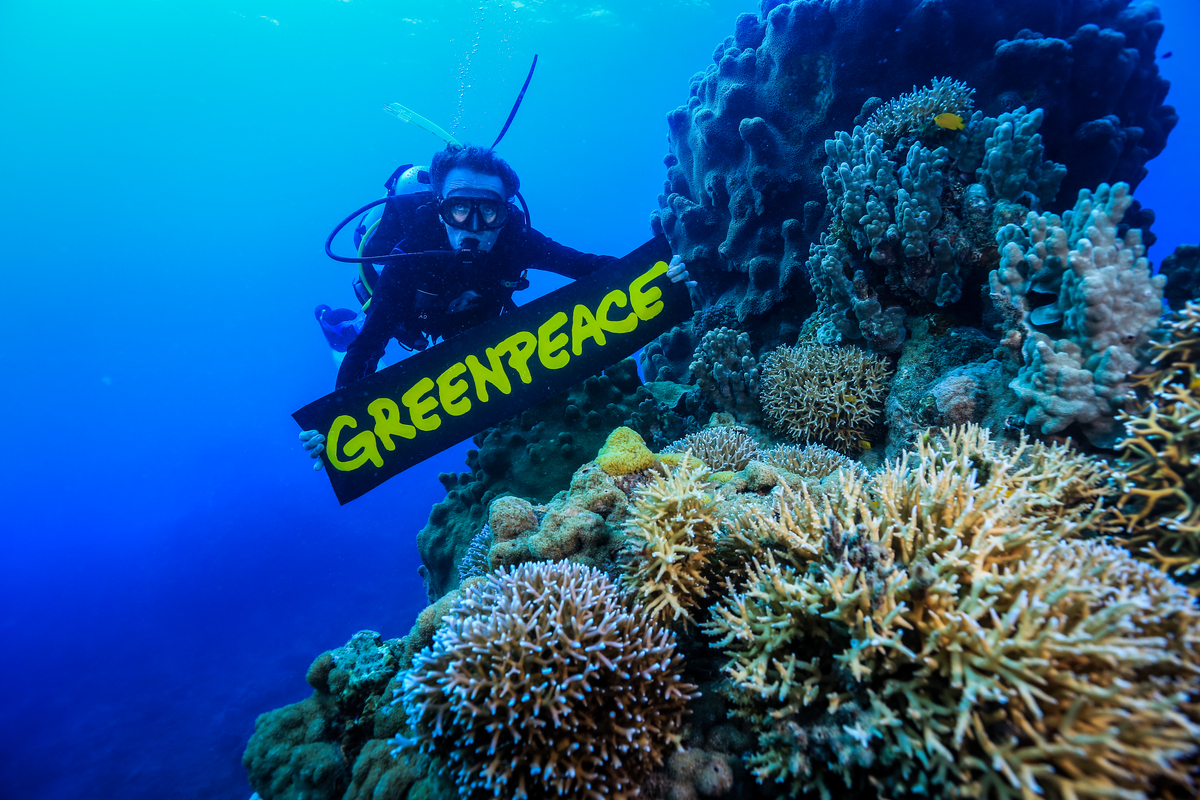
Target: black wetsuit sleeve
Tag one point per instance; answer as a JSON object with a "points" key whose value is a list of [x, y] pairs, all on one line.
{"points": [[387, 307], [538, 251]]}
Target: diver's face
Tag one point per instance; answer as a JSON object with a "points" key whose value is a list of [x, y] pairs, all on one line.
{"points": [[464, 182]]}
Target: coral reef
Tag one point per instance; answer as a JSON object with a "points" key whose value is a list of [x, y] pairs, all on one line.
{"points": [[582, 524], [1160, 456], [742, 200], [544, 682], [533, 455], [932, 630], [824, 394], [894, 245], [332, 746], [671, 534], [721, 448], [1081, 349], [726, 371]]}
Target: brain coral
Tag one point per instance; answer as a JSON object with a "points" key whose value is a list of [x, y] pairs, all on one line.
{"points": [[931, 631], [824, 394], [670, 538], [547, 682]]}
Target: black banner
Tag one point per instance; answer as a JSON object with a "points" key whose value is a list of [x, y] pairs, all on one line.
{"points": [[418, 407]]}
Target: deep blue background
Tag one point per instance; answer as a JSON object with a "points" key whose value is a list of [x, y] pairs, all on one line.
{"points": [[168, 170]]}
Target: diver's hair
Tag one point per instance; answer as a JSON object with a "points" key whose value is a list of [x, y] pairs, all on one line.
{"points": [[472, 156]]}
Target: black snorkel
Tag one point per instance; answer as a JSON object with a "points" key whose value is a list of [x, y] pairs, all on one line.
{"points": [[391, 185]]}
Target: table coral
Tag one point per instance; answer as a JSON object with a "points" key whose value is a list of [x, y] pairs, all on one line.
{"points": [[1160, 455], [830, 395], [671, 535], [933, 630], [546, 681]]}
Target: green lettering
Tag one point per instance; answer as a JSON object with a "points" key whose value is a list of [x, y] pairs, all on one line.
{"points": [[493, 374], [420, 409], [549, 345], [451, 388], [520, 347], [647, 304], [361, 449], [387, 422]]}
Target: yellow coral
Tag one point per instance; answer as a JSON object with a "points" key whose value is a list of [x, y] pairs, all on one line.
{"points": [[933, 629], [670, 538], [624, 452]]}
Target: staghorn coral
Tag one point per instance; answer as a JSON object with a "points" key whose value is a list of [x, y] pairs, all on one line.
{"points": [[721, 448], [1160, 456], [1080, 350], [726, 370], [931, 630], [814, 461], [671, 535], [913, 113], [824, 394], [546, 681]]}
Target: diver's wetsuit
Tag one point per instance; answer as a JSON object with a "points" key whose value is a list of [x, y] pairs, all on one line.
{"points": [[415, 294]]}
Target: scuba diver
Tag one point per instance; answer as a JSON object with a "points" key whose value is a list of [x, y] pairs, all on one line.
{"points": [[453, 247]]}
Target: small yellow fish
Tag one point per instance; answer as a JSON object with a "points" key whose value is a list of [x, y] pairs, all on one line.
{"points": [[951, 122]]}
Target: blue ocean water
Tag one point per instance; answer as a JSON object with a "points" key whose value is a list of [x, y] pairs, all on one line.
{"points": [[169, 564]]}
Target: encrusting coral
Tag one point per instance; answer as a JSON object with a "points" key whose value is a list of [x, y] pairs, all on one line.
{"points": [[671, 535], [932, 631], [1160, 456], [546, 682], [830, 395]]}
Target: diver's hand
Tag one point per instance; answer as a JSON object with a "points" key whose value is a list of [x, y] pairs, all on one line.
{"points": [[314, 443], [677, 272], [467, 299]]}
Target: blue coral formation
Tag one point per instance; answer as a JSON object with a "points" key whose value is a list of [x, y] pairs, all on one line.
{"points": [[743, 198]]}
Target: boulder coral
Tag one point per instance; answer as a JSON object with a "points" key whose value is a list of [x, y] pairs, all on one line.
{"points": [[931, 631], [546, 682]]}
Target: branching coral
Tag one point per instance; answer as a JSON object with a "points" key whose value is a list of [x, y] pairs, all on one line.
{"points": [[1080, 350], [725, 447], [824, 394], [914, 113], [726, 370], [931, 631], [546, 681], [474, 562], [1160, 455], [816, 461], [671, 535]]}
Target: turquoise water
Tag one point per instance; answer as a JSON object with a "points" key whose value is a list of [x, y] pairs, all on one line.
{"points": [[170, 564]]}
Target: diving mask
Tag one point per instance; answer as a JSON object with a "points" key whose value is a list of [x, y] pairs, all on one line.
{"points": [[473, 213]]}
